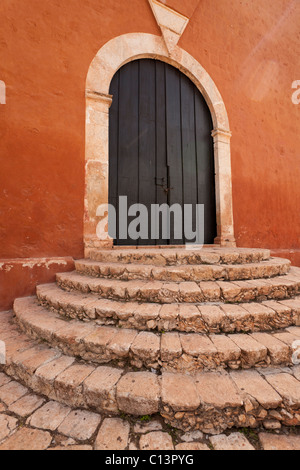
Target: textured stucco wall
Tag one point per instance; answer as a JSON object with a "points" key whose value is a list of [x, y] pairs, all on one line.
{"points": [[251, 49]]}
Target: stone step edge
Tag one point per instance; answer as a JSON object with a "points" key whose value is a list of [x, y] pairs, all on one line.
{"points": [[278, 288], [170, 351], [201, 318], [176, 256], [211, 402], [267, 269]]}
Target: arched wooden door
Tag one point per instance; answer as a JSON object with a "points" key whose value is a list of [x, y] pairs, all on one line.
{"points": [[161, 149]]}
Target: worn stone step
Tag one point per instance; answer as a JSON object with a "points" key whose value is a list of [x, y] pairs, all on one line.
{"points": [[169, 351], [197, 318], [126, 272], [165, 256], [209, 401], [278, 288]]}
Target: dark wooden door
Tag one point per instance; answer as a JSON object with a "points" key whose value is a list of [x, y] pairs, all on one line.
{"points": [[161, 149]]}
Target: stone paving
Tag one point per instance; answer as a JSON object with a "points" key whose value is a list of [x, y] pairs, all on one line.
{"points": [[31, 422]]}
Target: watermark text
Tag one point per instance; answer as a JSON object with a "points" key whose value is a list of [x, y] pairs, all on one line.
{"points": [[139, 222]]}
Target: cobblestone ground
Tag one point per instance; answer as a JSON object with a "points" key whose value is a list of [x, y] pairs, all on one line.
{"points": [[31, 422]]}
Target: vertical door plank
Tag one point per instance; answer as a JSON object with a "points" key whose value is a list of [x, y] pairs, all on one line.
{"points": [[161, 141], [174, 143], [128, 161], [205, 164], [189, 158]]}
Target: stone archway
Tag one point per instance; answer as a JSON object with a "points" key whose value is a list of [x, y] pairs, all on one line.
{"points": [[108, 60]]}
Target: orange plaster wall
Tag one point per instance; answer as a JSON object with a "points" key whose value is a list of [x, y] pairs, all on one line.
{"points": [[46, 49], [251, 49], [18, 278], [185, 7]]}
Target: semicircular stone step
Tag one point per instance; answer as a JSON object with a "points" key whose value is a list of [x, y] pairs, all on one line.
{"points": [[177, 256], [278, 288], [209, 401], [197, 318], [265, 269], [168, 351]]}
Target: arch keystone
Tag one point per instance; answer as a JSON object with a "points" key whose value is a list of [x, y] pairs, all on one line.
{"points": [[171, 23]]}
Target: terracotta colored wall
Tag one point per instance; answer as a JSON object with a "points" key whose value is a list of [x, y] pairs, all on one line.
{"points": [[46, 48], [251, 49]]}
